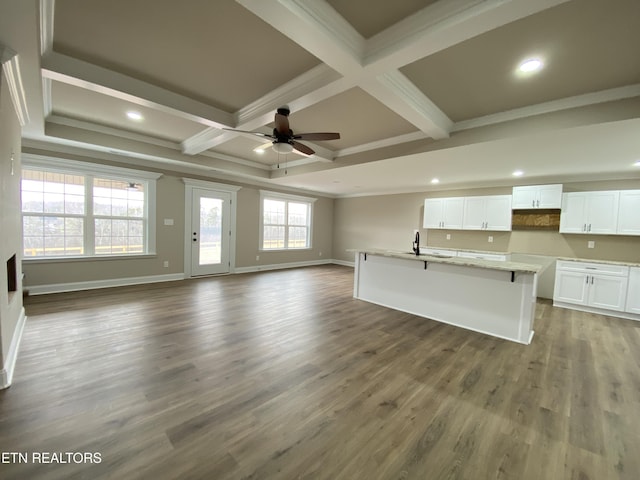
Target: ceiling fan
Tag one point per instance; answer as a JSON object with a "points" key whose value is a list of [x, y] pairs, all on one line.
{"points": [[284, 140]]}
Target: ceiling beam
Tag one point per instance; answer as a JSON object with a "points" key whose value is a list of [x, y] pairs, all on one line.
{"points": [[76, 72]]}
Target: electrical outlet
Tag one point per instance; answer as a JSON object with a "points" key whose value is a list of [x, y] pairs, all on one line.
{"points": [[257, 258], [448, 236], [166, 264], [490, 239], [591, 244], [319, 254]]}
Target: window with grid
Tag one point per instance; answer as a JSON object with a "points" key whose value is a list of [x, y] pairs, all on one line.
{"points": [[74, 213], [286, 221]]}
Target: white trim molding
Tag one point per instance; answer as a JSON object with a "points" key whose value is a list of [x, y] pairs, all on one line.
{"points": [[6, 374], [11, 69], [95, 284], [281, 266]]}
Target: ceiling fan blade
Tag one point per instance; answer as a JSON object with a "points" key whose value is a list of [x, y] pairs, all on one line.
{"points": [[282, 125], [317, 136], [302, 148], [259, 134]]}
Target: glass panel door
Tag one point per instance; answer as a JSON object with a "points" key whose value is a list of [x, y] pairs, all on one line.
{"points": [[210, 232]]}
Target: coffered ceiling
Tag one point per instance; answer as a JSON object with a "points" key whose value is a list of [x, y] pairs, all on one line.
{"points": [[417, 89]]}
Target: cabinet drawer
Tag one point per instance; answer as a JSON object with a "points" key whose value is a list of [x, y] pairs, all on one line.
{"points": [[439, 251], [483, 256], [589, 267]]}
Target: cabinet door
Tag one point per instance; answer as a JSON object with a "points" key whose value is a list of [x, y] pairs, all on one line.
{"points": [[474, 213], [602, 212], [574, 212], [433, 212], [607, 292], [571, 287], [452, 212], [498, 212], [629, 213], [633, 291], [549, 196], [524, 197]]}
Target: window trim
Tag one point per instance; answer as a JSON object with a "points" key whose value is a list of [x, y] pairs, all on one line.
{"points": [[96, 170], [267, 194]]}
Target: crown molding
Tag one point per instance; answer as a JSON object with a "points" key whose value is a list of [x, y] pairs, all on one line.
{"points": [[204, 140], [11, 69], [399, 94], [260, 112], [47, 9], [82, 74], [386, 142], [567, 103], [327, 20]]}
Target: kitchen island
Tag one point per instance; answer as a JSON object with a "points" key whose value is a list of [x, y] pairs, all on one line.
{"points": [[493, 297]]}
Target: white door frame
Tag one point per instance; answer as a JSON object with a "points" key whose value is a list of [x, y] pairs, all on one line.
{"points": [[213, 187]]}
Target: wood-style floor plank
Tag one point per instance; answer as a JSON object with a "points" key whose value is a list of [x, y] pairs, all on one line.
{"points": [[284, 375]]}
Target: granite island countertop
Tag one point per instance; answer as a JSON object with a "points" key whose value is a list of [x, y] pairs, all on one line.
{"points": [[608, 262], [465, 262]]}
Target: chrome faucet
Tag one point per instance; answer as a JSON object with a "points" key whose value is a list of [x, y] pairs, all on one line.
{"points": [[416, 244]]}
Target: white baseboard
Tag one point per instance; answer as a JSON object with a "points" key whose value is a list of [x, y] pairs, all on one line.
{"points": [[344, 263], [600, 311], [121, 282], [6, 374], [279, 266], [91, 285]]}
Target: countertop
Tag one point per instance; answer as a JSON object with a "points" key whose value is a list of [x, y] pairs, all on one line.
{"points": [[465, 262], [590, 260]]}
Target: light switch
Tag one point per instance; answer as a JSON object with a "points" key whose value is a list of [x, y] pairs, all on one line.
{"points": [[168, 221], [448, 236], [591, 244], [490, 239]]}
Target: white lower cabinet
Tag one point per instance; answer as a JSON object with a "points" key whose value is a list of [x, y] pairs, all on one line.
{"points": [[595, 285], [633, 291]]}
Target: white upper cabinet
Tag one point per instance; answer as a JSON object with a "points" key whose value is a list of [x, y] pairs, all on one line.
{"points": [[537, 196], [443, 213], [629, 213], [590, 212], [487, 213]]}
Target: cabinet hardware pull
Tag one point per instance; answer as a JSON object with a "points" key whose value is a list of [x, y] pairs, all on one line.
{"points": [[589, 227], [537, 203], [587, 280], [533, 203], [584, 227], [591, 279]]}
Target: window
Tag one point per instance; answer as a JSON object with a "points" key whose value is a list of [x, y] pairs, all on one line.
{"points": [[77, 209], [286, 221]]}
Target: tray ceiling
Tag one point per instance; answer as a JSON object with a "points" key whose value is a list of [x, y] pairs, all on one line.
{"points": [[424, 81]]}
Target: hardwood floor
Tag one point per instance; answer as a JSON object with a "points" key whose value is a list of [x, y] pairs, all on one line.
{"points": [[283, 375]]}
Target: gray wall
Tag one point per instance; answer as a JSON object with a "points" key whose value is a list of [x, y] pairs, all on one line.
{"points": [[170, 239], [10, 222]]}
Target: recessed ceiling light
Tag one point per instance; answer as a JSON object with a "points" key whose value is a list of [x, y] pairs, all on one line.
{"points": [[435, 180], [133, 115], [531, 65], [518, 173]]}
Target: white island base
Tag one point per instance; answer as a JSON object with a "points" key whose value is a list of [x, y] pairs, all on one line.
{"points": [[479, 296]]}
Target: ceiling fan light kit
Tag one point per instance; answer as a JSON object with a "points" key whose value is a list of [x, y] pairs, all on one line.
{"points": [[282, 148]]}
